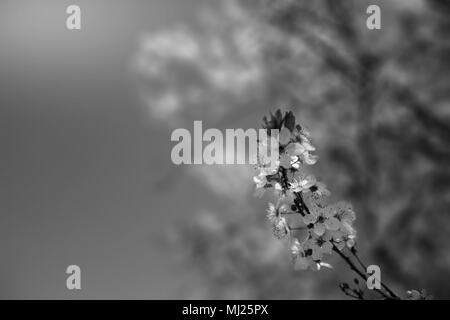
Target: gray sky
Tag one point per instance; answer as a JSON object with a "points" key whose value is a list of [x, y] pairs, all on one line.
{"points": [[79, 157]]}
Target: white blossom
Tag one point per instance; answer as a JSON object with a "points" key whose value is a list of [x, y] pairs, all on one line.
{"points": [[302, 196]]}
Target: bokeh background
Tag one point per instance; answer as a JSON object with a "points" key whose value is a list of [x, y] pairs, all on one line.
{"points": [[86, 118]]}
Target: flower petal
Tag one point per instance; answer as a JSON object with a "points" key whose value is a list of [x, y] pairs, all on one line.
{"points": [[350, 243], [307, 145], [326, 265], [340, 245], [309, 218], [285, 161], [319, 229], [327, 247], [332, 223], [295, 149], [310, 159], [317, 253], [285, 136]]}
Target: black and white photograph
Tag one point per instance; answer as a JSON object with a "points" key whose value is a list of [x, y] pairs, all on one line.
{"points": [[225, 150]]}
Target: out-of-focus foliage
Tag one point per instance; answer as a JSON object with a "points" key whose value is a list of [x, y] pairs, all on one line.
{"points": [[377, 104]]}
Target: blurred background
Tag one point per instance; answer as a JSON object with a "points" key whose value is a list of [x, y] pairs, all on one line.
{"points": [[86, 118]]}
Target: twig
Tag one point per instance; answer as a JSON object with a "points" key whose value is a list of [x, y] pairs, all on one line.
{"points": [[393, 295], [358, 272]]}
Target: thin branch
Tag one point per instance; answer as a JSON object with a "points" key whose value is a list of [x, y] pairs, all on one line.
{"points": [[353, 251], [357, 271]]}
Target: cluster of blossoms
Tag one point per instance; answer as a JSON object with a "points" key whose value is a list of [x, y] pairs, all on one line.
{"points": [[300, 214]]}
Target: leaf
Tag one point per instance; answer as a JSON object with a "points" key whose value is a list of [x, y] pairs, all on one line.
{"points": [[274, 122], [278, 116], [289, 121], [265, 122]]}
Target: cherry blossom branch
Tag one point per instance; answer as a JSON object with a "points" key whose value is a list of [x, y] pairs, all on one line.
{"points": [[329, 227], [302, 206], [302, 209]]}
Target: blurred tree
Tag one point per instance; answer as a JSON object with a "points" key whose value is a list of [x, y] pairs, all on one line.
{"points": [[376, 101]]}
